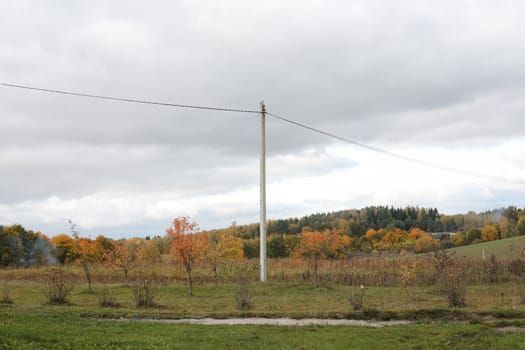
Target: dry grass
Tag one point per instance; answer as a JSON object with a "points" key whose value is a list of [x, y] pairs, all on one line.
{"points": [[290, 290]]}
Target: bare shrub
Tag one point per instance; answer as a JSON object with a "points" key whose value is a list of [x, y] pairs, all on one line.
{"points": [[441, 261], [143, 292], [450, 275], [409, 274], [456, 291], [492, 269], [243, 292], [5, 297], [243, 296], [454, 284], [357, 297], [107, 297], [59, 284]]}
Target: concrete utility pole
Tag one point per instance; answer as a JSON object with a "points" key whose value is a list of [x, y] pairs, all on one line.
{"points": [[262, 178]]}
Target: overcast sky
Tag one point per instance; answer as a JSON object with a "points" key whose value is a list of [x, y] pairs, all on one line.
{"points": [[440, 81]]}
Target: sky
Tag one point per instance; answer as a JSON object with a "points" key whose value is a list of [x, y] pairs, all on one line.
{"points": [[440, 81]]}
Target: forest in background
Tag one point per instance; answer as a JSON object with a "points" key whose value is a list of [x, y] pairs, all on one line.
{"points": [[372, 229]]}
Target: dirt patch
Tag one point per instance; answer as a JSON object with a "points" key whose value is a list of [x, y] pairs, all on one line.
{"points": [[260, 321], [510, 329]]}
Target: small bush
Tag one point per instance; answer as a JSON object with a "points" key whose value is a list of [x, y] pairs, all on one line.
{"points": [[143, 292], [59, 285], [107, 297], [455, 288], [243, 293], [357, 297], [243, 297], [5, 297], [492, 269]]}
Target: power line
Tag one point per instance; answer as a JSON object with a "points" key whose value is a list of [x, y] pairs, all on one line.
{"points": [[101, 97], [289, 121], [400, 156]]}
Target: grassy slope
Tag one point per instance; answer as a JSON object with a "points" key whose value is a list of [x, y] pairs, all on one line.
{"points": [[25, 330], [509, 248]]}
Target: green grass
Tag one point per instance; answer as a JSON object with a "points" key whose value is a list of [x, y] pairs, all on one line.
{"points": [[66, 330], [31, 323], [295, 300], [508, 248]]}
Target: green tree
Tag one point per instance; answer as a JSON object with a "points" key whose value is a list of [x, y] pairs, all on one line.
{"points": [[11, 249], [472, 235], [276, 247]]}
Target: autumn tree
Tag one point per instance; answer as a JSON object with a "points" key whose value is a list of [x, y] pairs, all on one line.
{"points": [[394, 238], [315, 245], [186, 246], [222, 248], [374, 237], [520, 226], [508, 227], [422, 241], [490, 233], [459, 239], [88, 255], [148, 253], [124, 257], [66, 248], [426, 244], [105, 249]]}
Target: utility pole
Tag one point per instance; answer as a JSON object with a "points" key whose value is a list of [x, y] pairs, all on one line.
{"points": [[262, 224]]}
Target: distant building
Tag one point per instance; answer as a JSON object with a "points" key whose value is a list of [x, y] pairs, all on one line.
{"points": [[442, 235]]}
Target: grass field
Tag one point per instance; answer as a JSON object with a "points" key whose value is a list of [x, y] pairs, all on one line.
{"points": [[509, 248], [295, 300], [495, 297], [30, 322], [66, 330]]}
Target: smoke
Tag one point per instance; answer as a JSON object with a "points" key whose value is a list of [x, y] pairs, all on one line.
{"points": [[39, 253]]}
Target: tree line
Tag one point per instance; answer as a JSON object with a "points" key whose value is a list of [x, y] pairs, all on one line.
{"points": [[387, 222], [371, 229], [355, 222]]}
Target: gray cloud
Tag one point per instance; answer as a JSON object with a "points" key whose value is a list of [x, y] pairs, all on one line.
{"points": [[438, 73]]}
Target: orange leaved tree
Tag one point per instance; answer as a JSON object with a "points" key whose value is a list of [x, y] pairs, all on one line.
{"points": [[186, 246], [88, 255], [315, 245], [125, 256]]}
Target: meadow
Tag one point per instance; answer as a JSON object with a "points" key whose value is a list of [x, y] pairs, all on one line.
{"points": [[373, 288], [505, 249]]}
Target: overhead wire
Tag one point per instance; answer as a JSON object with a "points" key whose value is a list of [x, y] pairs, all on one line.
{"points": [[287, 120], [102, 97], [399, 156]]}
